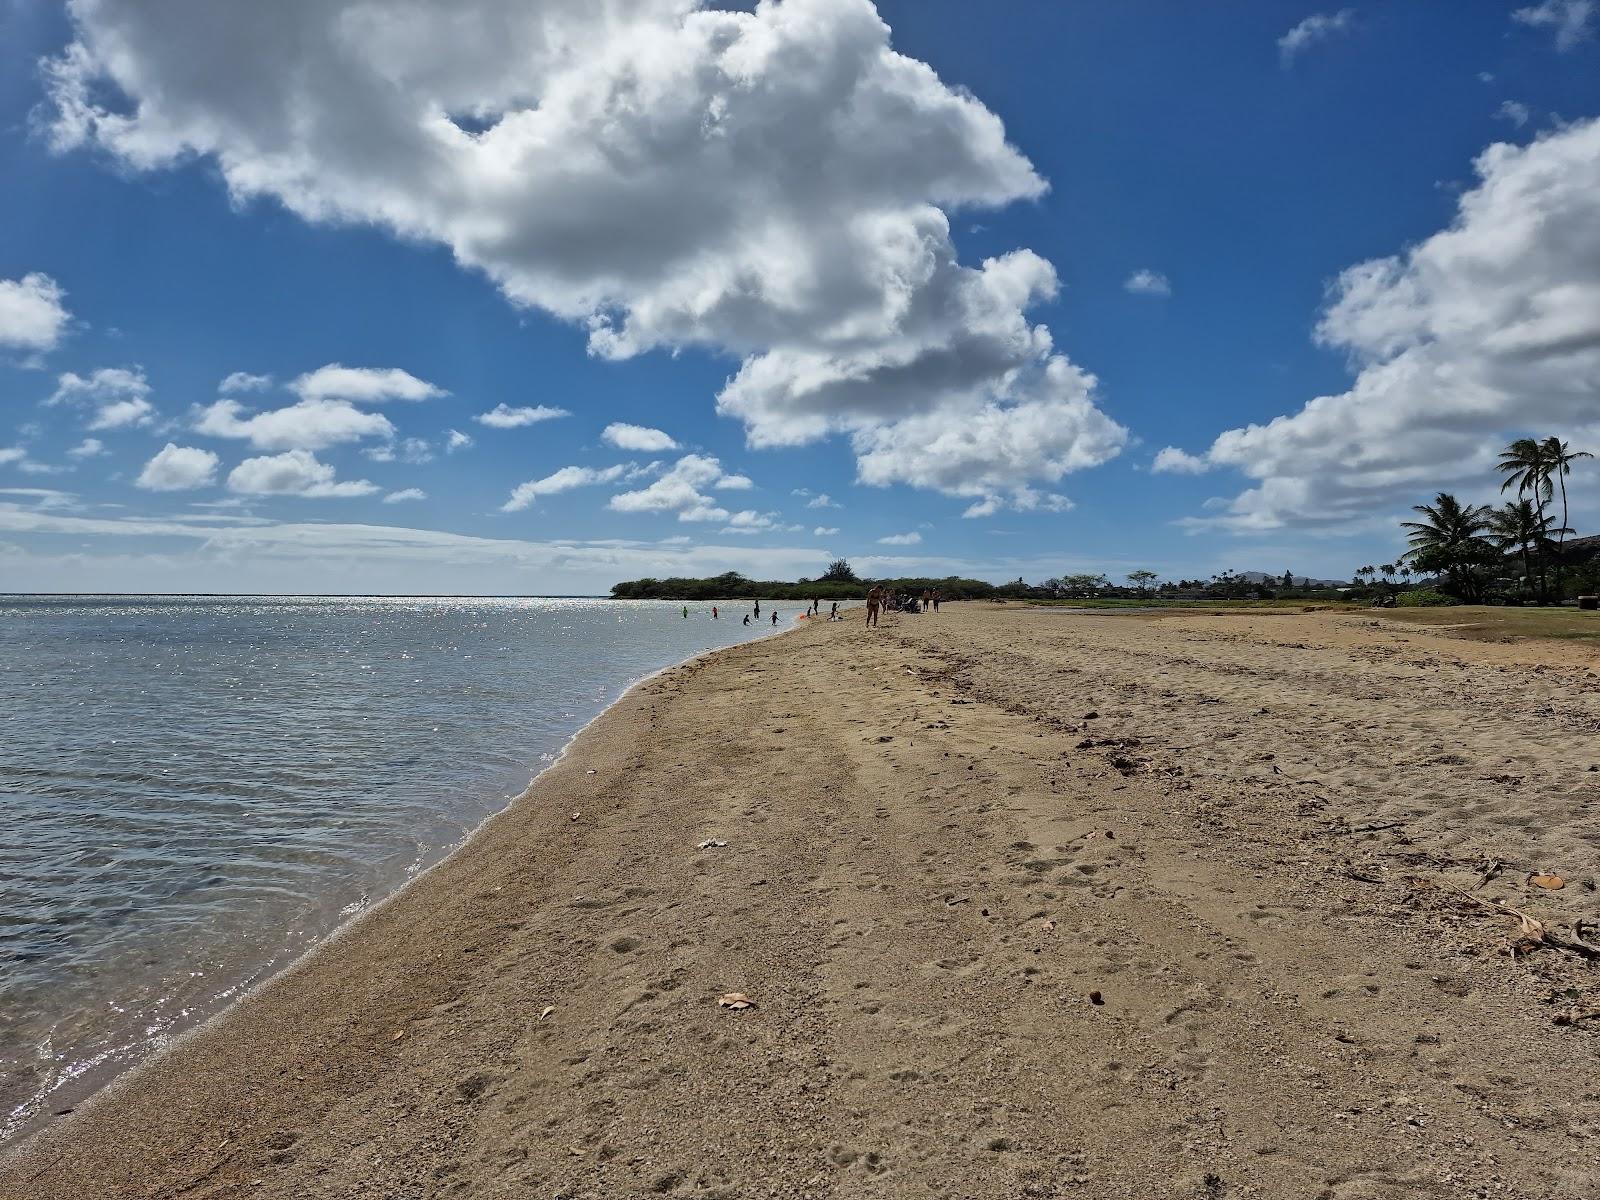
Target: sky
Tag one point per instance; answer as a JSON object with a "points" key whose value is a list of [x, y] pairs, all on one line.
{"points": [[532, 296]]}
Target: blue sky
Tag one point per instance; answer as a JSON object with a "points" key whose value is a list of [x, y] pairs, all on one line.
{"points": [[777, 259]]}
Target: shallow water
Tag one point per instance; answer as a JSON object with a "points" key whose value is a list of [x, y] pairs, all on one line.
{"points": [[193, 790]]}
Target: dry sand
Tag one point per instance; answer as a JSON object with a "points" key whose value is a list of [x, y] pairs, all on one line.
{"points": [[1030, 903]]}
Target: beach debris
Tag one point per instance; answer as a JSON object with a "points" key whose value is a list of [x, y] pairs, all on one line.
{"points": [[576, 815], [737, 1001], [548, 1009], [1047, 925], [1573, 1015], [1550, 883], [957, 900], [711, 844], [1096, 999], [1531, 932], [398, 1036], [1490, 871]]}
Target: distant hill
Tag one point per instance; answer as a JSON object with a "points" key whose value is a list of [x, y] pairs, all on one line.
{"points": [[1582, 550]]}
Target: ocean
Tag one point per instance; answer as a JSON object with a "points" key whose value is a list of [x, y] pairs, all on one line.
{"points": [[195, 790]]}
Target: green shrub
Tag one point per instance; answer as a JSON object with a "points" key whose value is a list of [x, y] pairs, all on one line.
{"points": [[1424, 598]]}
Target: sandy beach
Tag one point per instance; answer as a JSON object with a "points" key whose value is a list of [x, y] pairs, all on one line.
{"points": [[1028, 902]]}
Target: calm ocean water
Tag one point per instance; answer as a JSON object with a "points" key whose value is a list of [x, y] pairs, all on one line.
{"points": [[194, 790]]}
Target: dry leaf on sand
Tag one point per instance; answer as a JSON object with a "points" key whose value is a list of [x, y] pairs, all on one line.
{"points": [[1550, 883], [736, 1001], [548, 1009]]}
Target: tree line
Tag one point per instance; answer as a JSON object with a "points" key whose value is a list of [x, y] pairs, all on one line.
{"points": [[1516, 552]]}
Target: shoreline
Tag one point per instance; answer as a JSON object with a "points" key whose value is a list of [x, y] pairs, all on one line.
{"points": [[102, 1081], [1020, 903]]}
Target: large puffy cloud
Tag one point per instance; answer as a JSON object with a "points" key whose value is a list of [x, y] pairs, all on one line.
{"points": [[117, 397], [1486, 330], [32, 315], [177, 468], [1048, 427], [293, 473], [773, 185]]}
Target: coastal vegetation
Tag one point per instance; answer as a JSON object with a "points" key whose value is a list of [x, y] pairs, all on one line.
{"points": [[1520, 552]]}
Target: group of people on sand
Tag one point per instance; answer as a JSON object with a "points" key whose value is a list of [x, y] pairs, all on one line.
{"points": [[882, 600]]}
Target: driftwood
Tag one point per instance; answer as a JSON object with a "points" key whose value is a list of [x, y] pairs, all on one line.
{"points": [[1533, 931]]}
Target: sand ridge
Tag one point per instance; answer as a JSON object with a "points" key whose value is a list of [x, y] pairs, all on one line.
{"points": [[1030, 904]]}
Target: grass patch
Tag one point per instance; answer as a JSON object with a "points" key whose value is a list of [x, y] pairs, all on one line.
{"points": [[1485, 624]]}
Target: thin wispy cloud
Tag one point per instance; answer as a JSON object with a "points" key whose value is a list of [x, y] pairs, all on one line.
{"points": [[1317, 28], [1572, 21]]}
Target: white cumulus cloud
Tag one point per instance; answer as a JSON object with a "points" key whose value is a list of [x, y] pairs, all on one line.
{"points": [[1145, 282], [117, 397], [773, 185], [1487, 330], [824, 531], [88, 448], [901, 539], [1051, 427], [503, 416], [563, 480], [363, 385], [305, 425], [293, 473], [32, 315], [456, 440], [1173, 461], [637, 437], [405, 494], [178, 468], [679, 490]]}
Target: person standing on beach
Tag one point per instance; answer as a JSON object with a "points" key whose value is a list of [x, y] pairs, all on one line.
{"points": [[874, 600], [834, 615]]}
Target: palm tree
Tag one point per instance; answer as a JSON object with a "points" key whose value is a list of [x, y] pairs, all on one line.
{"points": [[1450, 539], [1559, 457], [1519, 526], [1526, 464]]}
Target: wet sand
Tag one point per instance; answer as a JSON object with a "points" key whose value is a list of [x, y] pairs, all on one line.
{"points": [[1030, 904]]}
